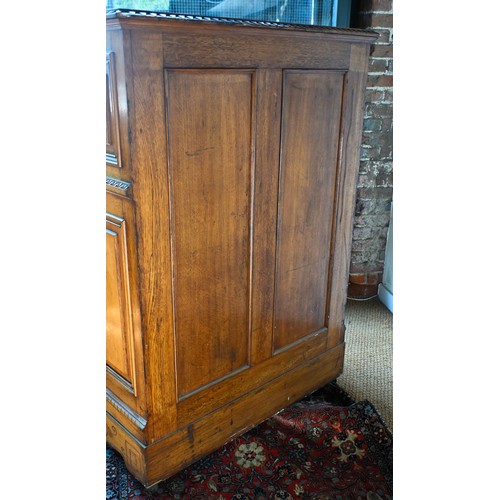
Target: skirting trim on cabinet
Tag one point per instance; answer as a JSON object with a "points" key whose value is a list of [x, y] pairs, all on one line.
{"points": [[213, 382], [128, 412], [164, 458], [321, 331]]}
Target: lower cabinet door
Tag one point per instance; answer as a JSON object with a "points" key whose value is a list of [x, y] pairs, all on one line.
{"points": [[124, 359]]}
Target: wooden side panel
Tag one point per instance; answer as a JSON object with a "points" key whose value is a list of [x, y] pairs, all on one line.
{"points": [[211, 132], [312, 102], [350, 137]]}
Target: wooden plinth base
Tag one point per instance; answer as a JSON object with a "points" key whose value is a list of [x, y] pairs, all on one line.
{"points": [[162, 459]]}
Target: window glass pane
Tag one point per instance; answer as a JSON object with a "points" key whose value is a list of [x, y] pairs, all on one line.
{"points": [[316, 12]]}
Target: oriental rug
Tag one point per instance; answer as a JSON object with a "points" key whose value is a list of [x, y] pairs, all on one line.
{"points": [[326, 446]]}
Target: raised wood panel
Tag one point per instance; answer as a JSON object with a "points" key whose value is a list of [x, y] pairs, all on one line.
{"points": [[119, 348], [312, 102], [117, 324], [113, 150], [124, 355], [210, 117]]}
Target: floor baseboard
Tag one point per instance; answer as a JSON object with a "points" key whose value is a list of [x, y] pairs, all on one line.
{"points": [[385, 296]]}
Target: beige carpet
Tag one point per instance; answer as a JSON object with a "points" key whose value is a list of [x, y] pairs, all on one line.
{"points": [[368, 359]]}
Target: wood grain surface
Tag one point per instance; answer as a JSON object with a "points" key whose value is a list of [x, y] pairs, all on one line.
{"points": [[211, 132], [312, 103]]}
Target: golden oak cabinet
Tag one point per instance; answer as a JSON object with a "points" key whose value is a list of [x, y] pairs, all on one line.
{"points": [[232, 153]]}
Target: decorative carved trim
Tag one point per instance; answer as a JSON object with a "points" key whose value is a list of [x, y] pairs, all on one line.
{"points": [[114, 219], [126, 410], [118, 184], [111, 159], [124, 13]]}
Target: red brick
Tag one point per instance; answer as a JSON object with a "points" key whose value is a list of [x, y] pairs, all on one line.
{"points": [[381, 5], [378, 65], [365, 181], [374, 138], [361, 233], [365, 5], [387, 124], [355, 267], [372, 124], [373, 278], [383, 179], [375, 6], [365, 207], [386, 154], [364, 166], [388, 95], [380, 81], [385, 35], [380, 233], [374, 95], [359, 279], [377, 220], [362, 246], [361, 291], [366, 267], [366, 278], [381, 50], [375, 193], [370, 153], [379, 20], [378, 109]]}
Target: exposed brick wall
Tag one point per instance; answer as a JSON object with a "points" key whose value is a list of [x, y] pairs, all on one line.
{"points": [[374, 197]]}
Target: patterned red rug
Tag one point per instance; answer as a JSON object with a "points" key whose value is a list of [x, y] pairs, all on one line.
{"points": [[323, 447]]}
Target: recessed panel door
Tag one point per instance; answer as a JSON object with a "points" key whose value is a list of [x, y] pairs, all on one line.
{"points": [[311, 111], [210, 119]]}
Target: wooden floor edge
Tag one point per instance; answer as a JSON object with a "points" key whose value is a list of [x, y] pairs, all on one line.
{"points": [[179, 450]]}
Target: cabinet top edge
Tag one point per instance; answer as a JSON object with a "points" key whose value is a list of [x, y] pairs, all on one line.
{"points": [[147, 19]]}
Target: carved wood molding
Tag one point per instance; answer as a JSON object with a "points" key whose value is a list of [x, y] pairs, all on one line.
{"points": [[126, 410], [118, 186], [124, 13]]}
